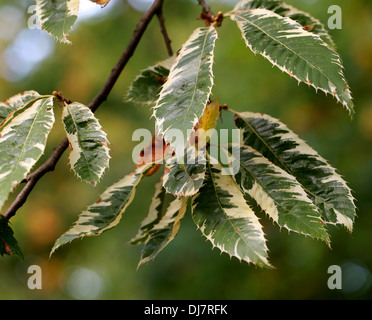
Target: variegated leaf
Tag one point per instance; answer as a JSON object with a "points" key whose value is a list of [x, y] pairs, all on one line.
{"points": [[22, 142], [278, 193], [227, 221], [107, 211], [57, 17], [185, 94], [21, 109], [308, 22], [162, 233], [301, 54], [324, 186], [154, 214], [185, 179], [209, 118], [146, 87], [89, 156], [11, 104]]}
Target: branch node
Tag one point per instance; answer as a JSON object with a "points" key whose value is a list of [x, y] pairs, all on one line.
{"points": [[219, 18], [208, 16], [59, 96]]}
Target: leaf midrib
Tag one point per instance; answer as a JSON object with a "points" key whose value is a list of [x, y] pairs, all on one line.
{"points": [[27, 137], [197, 77], [285, 46], [225, 214], [281, 162]]}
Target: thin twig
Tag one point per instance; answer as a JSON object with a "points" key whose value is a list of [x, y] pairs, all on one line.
{"points": [[164, 32], [206, 8], [49, 165], [207, 12]]}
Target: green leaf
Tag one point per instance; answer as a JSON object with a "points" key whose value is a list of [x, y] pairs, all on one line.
{"points": [[162, 233], [278, 194], [324, 186], [57, 17], [107, 211], [22, 142], [226, 220], [8, 244], [11, 104], [308, 22], [89, 156], [301, 54], [146, 87], [154, 214], [184, 96], [185, 179]]}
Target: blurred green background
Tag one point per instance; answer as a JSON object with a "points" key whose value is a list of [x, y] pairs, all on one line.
{"points": [[104, 267]]}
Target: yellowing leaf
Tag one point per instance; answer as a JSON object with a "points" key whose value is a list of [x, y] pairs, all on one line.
{"points": [[207, 121], [22, 142], [210, 116], [104, 3]]}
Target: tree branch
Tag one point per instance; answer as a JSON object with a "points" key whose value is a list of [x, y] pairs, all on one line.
{"points": [[207, 12], [164, 32], [49, 165], [205, 7]]}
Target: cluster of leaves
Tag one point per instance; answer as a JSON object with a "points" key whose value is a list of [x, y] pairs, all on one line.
{"points": [[279, 173], [26, 121]]}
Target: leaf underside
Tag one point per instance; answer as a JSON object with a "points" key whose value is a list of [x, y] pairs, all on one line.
{"points": [[146, 87], [107, 211], [308, 22], [153, 216], [163, 232]]}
